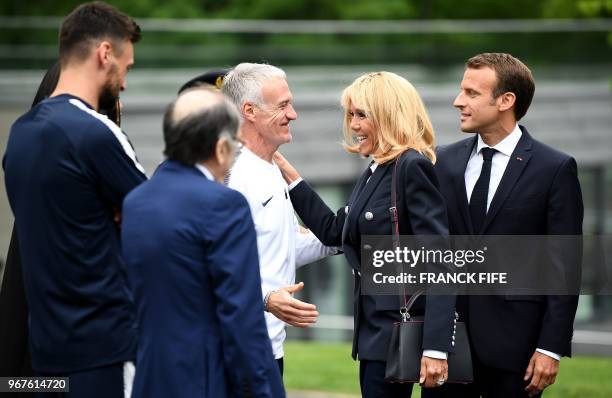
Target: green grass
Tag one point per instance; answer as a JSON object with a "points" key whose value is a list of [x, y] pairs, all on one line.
{"points": [[329, 368]]}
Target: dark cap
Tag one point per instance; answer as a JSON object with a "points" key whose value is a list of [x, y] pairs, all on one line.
{"points": [[213, 78]]}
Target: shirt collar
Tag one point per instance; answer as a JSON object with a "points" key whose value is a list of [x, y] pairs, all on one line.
{"points": [[373, 166], [249, 154], [505, 146], [69, 96], [205, 171]]}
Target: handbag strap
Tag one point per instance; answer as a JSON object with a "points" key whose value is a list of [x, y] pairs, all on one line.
{"points": [[405, 303]]}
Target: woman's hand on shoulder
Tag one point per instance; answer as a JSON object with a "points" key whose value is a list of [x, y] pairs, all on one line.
{"points": [[289, 172]]}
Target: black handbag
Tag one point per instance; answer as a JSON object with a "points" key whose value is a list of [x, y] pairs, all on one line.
{"points": [[405, 347], [405, 351]]}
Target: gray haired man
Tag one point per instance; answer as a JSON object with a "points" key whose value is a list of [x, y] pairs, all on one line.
{"points": [[265, 103]]}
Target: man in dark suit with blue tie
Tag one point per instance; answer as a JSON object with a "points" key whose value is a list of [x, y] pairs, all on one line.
{"points": [[191, 253], [504, 182]]}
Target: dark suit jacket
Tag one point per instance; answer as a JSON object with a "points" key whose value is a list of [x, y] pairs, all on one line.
{"points": [[421, 211], [539, 194], [191, 253]]}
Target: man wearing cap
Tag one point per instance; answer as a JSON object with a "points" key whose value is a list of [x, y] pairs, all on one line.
{"points": [[212, 79], [264, 100]]}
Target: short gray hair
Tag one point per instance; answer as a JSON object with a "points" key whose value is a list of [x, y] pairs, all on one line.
{"points": [[244, 82]]}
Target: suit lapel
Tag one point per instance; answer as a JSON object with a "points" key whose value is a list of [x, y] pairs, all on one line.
{"points": [[517, 163], [360, 183], [461, 160], [359, 200]]}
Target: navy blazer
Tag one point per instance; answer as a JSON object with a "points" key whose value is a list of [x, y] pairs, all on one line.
{"points": [[539, 194], [191, 254], [421, 211]]}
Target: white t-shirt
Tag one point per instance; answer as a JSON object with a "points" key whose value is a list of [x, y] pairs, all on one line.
{"points": [[280, 243]]}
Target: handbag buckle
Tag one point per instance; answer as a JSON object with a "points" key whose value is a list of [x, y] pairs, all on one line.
{"points": [[405, 314]]}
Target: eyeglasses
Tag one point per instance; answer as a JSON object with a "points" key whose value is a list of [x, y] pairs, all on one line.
{"points": [[236, 143]]}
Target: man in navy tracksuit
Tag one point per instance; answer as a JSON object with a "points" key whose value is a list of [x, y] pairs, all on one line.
{"points": [[67, 170]]}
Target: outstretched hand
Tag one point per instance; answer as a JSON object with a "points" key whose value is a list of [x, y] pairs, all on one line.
{"points": [[285, 307]]}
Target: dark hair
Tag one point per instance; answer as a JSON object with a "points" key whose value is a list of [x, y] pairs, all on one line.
{"points": [[193, 139], [94, 21], [49, 82], [512, 76]]}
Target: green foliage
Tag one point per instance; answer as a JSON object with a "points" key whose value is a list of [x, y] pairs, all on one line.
{"points": [[480, 9], [577, 8], [372, 9], [329, 9], [187, 49]]}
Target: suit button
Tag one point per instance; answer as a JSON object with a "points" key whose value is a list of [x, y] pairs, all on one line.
{"points": [[369, 216], [453, 343], [345, 209]]}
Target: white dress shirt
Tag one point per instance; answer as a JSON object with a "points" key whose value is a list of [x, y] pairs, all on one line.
{"points": [[205, 171], [499, 162], [281, 244], [498, 166]]}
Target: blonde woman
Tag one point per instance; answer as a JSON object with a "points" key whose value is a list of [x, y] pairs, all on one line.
{"points": [[385, 119]]}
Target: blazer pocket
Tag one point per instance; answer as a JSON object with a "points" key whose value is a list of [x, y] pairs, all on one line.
{"points": [[380, 202], [375, 220], [387, 303]]}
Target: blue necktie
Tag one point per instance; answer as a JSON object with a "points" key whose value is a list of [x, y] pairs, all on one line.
{"points": [[478, 200]]}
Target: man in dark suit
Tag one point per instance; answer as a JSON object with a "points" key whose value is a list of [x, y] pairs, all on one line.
{"points": [[191, 253], [504, 182]]}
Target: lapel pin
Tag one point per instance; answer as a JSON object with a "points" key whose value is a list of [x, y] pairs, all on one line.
{"points": [[520, 159]]}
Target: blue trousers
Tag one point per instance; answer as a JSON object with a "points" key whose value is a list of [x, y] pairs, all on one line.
{"points": [[104, 382]]}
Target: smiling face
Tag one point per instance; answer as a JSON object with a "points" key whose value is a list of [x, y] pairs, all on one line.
{"points": [[273, 118], [479, 111], [363, 129]]}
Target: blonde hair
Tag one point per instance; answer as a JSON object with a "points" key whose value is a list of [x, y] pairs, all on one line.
{"points": [[395, 108]]}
